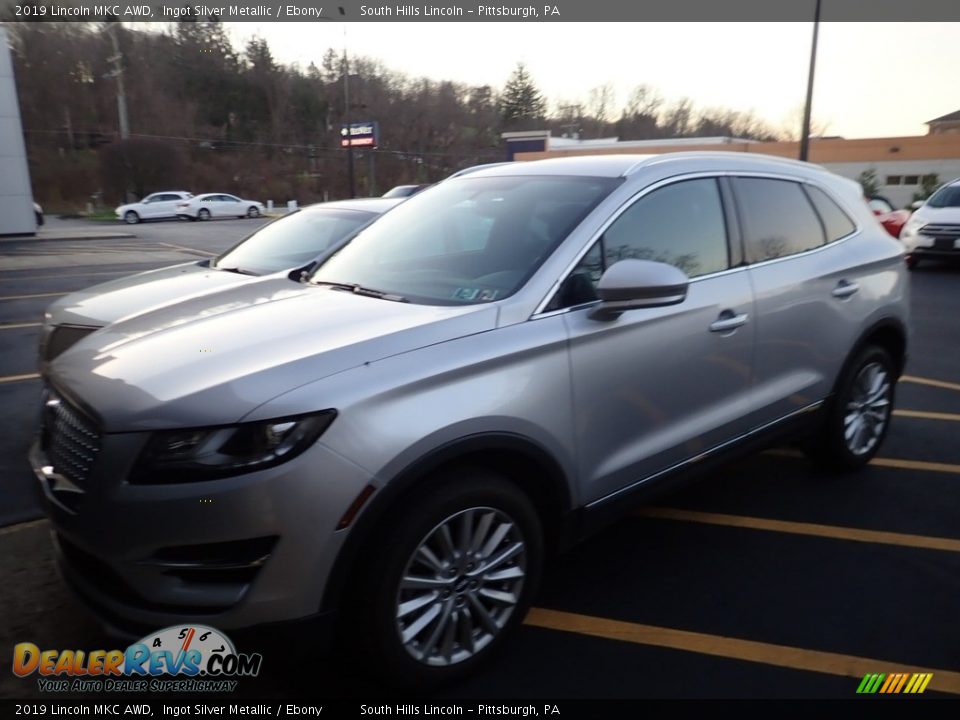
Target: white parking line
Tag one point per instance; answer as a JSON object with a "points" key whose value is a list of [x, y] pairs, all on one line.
{"points": [[34, 295]]}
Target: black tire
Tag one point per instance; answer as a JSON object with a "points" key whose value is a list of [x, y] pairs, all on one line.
{"points": [[131, 218], [912, 262], [39, 218], [868, 422], [371, 631], [253, 213], [203, 214]]}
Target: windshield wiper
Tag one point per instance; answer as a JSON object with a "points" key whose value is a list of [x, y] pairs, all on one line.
{"points": [[366, 292], [239, 271]]}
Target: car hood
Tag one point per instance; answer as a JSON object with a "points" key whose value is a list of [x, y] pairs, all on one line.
{"points": [[213, 360], [927, 214], [108, 302]]}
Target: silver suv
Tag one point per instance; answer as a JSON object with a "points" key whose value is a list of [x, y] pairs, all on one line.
{"points": [[481, 376]]}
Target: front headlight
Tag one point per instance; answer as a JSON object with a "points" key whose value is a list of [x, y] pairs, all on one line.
{"points": [[911, 226], [195, 454]]}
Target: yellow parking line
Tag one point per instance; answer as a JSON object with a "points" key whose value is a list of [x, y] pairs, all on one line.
{"points": [[931, 382], [14, 326], [17, 378], [927, 415], [34, 295], [783, 656], [917, 465], [835, 532], [9, 530]]}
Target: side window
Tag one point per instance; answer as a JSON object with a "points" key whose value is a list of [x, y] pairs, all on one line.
{"points": [[778, 220], [681, 224], [835, 221]]}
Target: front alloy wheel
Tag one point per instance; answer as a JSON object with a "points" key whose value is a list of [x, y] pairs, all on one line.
{"points": [[447, 579], [460, 586]]}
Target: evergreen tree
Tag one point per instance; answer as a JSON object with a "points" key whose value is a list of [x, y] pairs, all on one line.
{"points": [[521, 102]]}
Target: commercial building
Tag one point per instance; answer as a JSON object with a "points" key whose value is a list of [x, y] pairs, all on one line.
{"points": [[900, 163], [16, 198]]}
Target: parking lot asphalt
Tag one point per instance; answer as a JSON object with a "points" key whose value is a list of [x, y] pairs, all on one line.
{"points": [[766, 579]]}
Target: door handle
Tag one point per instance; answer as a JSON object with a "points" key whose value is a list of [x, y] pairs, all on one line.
{"points": [[845, 289], [728, 322]]}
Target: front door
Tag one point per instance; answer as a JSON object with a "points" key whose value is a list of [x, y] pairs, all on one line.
{"points": [[659, 386]]}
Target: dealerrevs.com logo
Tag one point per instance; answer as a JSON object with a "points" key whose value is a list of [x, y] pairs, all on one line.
{"points": [[197, 657]]}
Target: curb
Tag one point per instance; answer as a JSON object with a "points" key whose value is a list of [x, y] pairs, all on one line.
{"points": [[68, 235]]}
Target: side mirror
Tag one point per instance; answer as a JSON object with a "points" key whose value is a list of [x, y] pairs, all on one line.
{"points": [[917, 204], [634, 284]]}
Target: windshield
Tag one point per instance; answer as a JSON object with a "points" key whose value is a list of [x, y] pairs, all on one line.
{"points": [[468, 240], [948, 196], [293, 240]]}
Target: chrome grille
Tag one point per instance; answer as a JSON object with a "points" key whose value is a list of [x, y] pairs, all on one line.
{"points": [[941, 231], [70, 440], [62, 337]]}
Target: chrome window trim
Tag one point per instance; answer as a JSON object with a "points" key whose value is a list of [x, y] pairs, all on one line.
{"points": [[555, 287]]}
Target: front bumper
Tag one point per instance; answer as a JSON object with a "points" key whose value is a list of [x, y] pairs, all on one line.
{"points": [[234, 553]]}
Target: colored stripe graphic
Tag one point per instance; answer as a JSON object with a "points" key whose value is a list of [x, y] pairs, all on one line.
{"points": [[894, 684]]}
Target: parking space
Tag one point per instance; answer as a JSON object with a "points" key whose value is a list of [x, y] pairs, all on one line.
{"points": [[767, 579]]}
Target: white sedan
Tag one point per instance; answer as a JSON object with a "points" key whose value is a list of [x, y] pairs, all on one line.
{"points": [[156, 206], [218, 205]]}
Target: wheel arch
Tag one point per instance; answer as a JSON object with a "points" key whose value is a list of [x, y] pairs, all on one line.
{"points": [[889, 334], [519, 459]]}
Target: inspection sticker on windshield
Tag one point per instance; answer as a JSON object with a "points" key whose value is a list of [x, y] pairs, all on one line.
{"points": [[474, 294]]}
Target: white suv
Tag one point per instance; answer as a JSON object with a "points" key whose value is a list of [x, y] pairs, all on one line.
{"points": [[934, 229]]}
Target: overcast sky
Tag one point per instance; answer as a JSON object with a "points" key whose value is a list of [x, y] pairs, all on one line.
{"points": [[873, 79]]}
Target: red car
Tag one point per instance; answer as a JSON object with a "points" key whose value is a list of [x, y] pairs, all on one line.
{"points": [[892, 220]]}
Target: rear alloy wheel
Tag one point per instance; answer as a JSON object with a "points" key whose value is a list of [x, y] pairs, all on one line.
{"points": [[203, 214], [859, 414], [131, 218], [453, 578], [253, 213]]}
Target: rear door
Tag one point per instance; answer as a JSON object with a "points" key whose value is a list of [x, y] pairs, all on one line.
{"points": [[229, 206], [657, 387], [805, 284], [165, 205]]}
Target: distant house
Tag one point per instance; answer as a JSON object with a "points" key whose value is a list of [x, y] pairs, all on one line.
{"points": [[949, 123]]}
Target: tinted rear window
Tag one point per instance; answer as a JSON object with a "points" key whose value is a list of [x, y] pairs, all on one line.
{"points": [[778, 219], [835, 221]]}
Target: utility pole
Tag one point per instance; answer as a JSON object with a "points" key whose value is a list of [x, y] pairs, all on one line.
{"points": [[805, 131], [346, 102], [117, 60]]}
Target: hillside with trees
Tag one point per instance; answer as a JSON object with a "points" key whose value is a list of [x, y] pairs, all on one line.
{"points": [[205, 115]]}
